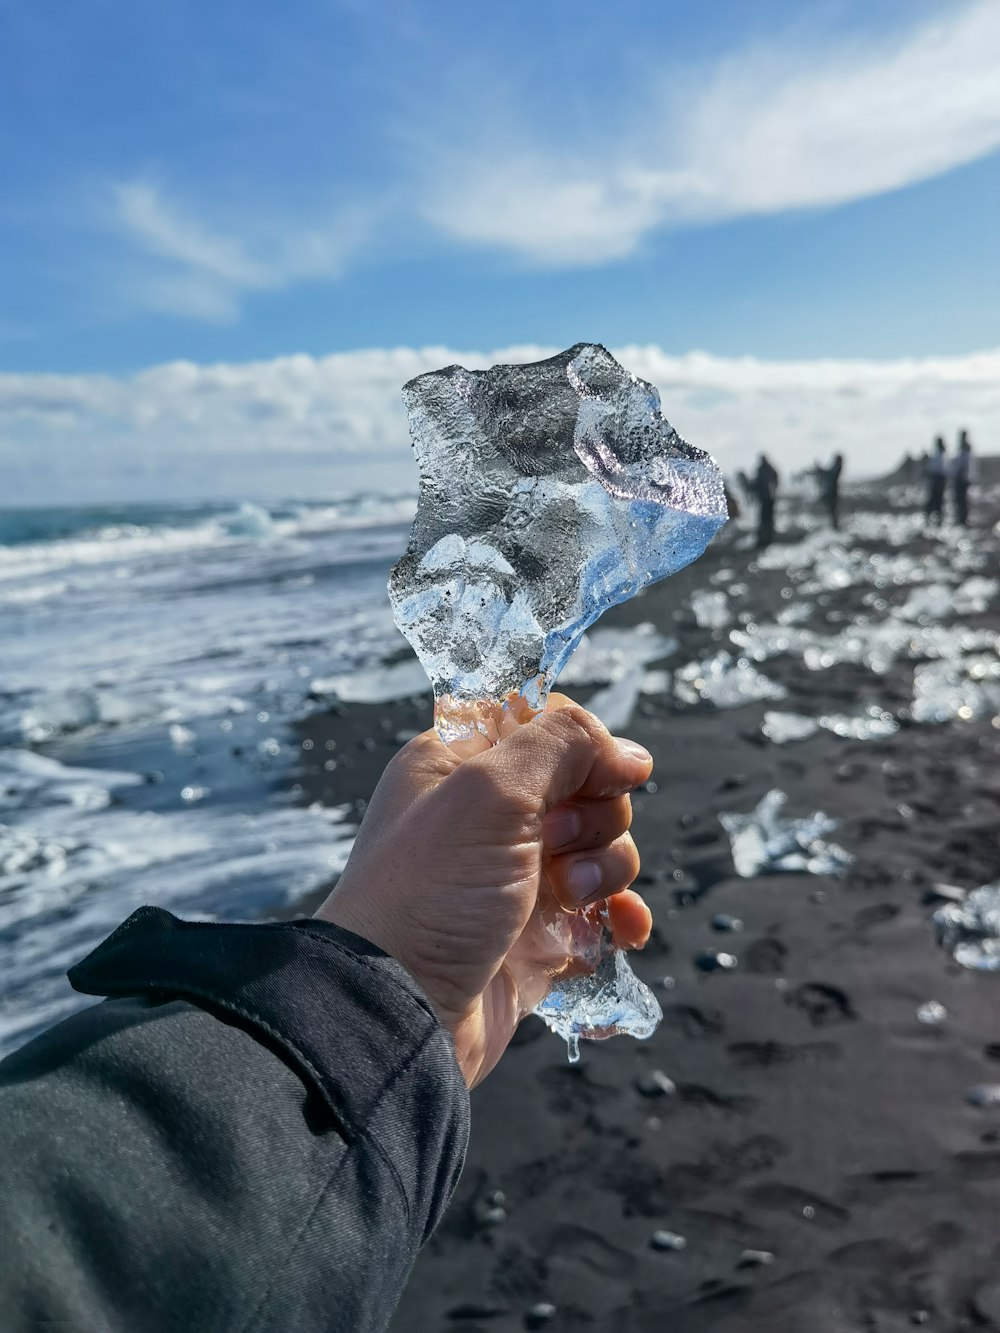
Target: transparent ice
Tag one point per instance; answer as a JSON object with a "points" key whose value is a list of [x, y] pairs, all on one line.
{"points": [[970, 930], [763, 843], [725, 681], [548, 492]]}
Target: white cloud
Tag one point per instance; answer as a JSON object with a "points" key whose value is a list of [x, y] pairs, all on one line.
{"points": [[183, 265], [768, 131], [302, 425]]}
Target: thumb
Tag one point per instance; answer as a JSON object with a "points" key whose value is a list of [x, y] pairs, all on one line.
{"points": [[563, 752]]}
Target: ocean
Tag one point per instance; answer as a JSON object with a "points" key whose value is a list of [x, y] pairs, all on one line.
{"points": [[153, 662]]}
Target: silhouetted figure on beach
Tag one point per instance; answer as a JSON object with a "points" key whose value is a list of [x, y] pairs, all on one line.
{"points": [[936, 476], [962, 474], [828, 480], [765, 490]]}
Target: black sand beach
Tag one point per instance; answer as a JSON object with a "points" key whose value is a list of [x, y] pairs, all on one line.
{"points": [[818, 1154]]}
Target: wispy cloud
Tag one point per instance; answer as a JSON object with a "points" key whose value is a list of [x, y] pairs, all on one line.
{"points": [[307, 425], [182, 264], [768, 131]]}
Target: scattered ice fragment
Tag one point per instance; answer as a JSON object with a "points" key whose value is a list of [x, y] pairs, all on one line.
{"points": [[956, 689], [970, 930], [783, 727], [548, 492], [607, 654], [932, 1013], [984, 1094], [755, 1259], [724, 681], [874, 723], [375, 685], [711, 960], [764, 843], [656, 1084], [667, 1240], [615, 704], [711, 609], [180, 737]]}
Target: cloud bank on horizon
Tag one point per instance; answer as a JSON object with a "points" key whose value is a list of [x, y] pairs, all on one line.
{"points": [[302, 426]]}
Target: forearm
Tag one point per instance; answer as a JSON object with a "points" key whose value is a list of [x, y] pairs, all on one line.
{"points": [[258, 1135]]}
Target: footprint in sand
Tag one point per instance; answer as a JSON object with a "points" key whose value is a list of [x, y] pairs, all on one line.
{"points": [[766, 1054], [691, 1021], [590, 1250], [822, 1003]]}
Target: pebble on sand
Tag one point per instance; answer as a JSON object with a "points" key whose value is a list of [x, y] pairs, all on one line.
{"points": [[656, 1084], [667, 1240], [539, 1315]]}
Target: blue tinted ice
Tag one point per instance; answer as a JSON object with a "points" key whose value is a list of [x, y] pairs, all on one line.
{"points": [[548, 492]]}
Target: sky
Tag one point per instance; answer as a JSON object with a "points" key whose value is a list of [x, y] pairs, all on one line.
{"points": [[229, 231]]}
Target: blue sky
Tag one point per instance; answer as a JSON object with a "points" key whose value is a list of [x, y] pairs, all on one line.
{"points": [[230, 183], [306, 158]]}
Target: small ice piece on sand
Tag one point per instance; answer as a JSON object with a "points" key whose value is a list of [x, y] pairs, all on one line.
{"points": [[871, 725], [724, 681], [932, 1013], [667, 1240], [711, 609], [375, 685], [984, 1094], [763, 843], [780, 728], [607, 654], [615, 704], [970, 930]]}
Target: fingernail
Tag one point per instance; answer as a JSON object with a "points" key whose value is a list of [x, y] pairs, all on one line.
{"points": [[632, 750], [584, 879], [562, 827]]}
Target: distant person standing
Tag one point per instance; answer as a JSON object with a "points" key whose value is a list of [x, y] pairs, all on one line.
{"points": [[936, 476], [829, 488], [962, 474], [765, 489]]}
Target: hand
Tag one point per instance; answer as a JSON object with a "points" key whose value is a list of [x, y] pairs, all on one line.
{"points": [[455, 862]]}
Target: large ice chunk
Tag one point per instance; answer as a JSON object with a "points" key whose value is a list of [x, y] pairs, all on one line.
{"points": [[548, 492], [763, 843]]}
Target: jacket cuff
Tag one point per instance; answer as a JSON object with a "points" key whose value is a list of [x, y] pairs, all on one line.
{"points": [[344, 1014]]}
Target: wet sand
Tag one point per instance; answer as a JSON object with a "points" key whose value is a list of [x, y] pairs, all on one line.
{"points": [[815, 1120]]}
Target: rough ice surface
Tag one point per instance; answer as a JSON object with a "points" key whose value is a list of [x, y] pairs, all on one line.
{"points": [[763, 843], [725, 681], [548, 492], [970, 930]]}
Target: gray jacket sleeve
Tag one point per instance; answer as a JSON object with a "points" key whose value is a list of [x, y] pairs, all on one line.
{"points": [[257, 1132]]}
